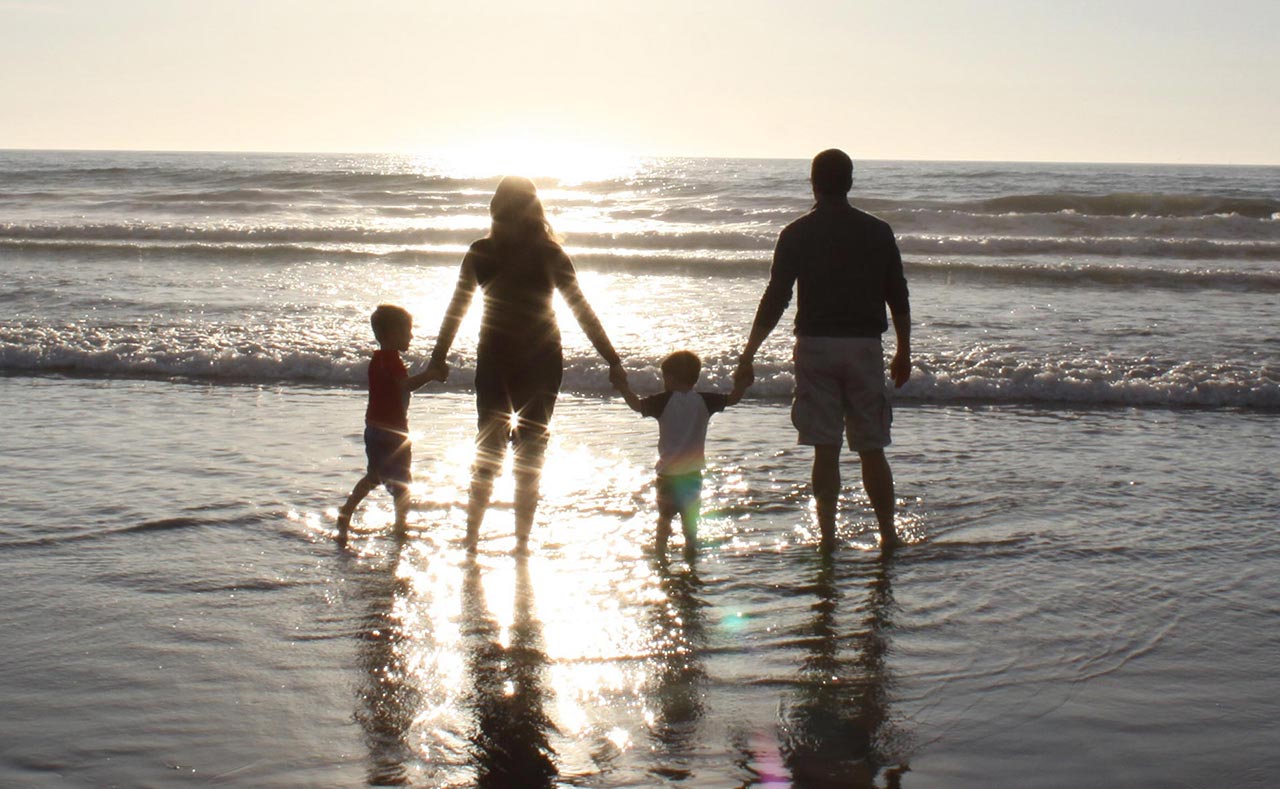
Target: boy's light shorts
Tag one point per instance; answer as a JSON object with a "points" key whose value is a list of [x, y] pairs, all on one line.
{"points": [[841, 392], [680, 494]]}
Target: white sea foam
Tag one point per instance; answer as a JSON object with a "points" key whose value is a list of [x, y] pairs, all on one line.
{"points": [[940, 378]]}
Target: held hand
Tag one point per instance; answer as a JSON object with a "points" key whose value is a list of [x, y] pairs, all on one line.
{"points": [[900, 368], [438, 371]]}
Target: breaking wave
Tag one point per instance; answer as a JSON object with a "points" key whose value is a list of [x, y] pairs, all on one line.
{"points": [[938, 379]]}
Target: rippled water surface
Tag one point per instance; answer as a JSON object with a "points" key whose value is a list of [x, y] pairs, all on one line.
{"points": [[1087, 593], [1085, 456]]}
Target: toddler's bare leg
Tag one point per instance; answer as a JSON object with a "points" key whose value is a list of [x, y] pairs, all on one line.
{"points": [[689, 522], [664, 533]]}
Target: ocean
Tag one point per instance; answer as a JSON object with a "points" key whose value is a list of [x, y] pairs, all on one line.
{"points": [[1085, 456]]}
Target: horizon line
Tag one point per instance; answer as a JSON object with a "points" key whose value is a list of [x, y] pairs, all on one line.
{"points": [[317, 152]]}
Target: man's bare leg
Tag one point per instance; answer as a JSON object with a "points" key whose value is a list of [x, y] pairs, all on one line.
{"points": [[877, 479], [826, 491]]}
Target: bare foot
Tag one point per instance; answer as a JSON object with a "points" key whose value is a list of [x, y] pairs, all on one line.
{"points": [[889, 543], [344, 525]]}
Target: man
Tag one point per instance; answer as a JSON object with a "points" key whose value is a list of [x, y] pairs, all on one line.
{"points": [[846, 267]]}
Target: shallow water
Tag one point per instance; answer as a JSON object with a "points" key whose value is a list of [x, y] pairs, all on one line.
{"points": [[1087, 593], [1085, 456]]}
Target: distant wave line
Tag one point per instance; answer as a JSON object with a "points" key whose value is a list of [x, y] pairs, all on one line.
{"points": [[237, 182], [1071, 274], [729, 239], [726, 238], [706, 262]]}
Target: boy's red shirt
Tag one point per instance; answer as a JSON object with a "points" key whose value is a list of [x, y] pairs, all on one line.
{"points": [[388, 401]]}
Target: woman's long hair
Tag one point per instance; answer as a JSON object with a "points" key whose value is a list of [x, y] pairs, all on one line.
{"points": [[517, 213]]}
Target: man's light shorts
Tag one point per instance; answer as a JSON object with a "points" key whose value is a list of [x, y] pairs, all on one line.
{"points": [[841, 391]]}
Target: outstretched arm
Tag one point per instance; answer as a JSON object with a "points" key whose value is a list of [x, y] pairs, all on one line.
{"points": [[438, 367], [739, 389], [777, 295], [632, 399], [567, 281], [745, 374], [897, 297]]}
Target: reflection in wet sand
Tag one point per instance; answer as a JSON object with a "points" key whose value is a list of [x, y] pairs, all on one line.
{"points": [[592, 664], [510, 743], [389, 701], [835, 729], [678, 678], [449, 695]]}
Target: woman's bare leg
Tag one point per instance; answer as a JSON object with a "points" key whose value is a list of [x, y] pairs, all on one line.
{"points": [[491, 444], [530, 455]]}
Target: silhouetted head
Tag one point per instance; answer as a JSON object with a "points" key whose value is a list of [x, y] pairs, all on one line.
{"points": [[392, 326], [831, 173], [680, 370], [517, 212]]}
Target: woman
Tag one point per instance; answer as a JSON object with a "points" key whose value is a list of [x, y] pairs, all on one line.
{"points": [[519, 363]]}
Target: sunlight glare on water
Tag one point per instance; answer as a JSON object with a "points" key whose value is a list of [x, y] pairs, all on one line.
{"points": [[550, 644], [567, 163]]}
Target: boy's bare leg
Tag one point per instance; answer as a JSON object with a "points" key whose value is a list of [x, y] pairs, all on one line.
{"points": [[358, 493], [877, 479], [402, 501], [826, 491]]}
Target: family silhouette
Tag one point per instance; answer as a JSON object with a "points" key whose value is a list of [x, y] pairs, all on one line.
{"points": [[844, 268]]}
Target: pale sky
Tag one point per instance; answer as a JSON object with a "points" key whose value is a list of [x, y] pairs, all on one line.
{"points": [[1036, 80]]}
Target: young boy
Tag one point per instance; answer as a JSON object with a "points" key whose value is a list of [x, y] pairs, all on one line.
{"points": [[682, 416], [386, 420]]}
